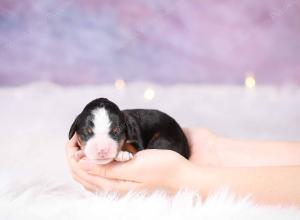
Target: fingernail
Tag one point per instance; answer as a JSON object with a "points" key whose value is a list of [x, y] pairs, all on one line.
{"points": [[86, 165]]}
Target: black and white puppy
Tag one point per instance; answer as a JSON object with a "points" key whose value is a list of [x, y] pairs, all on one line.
{"points": [[105, 133]]}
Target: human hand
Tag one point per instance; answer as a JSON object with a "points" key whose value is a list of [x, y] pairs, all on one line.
{"points": [[134, 174], [148, 170], [203, 146]]}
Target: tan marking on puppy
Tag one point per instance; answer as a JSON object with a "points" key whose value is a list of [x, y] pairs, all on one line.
{"points": [[130, 148], [154, 137]]}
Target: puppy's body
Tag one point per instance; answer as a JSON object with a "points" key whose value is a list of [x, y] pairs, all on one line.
{"points": [[106, 133], [153, 129]]}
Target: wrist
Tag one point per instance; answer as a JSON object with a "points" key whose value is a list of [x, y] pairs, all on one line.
{"points": [[202, 179], [211, 150], [204, 147], [192, 177]]}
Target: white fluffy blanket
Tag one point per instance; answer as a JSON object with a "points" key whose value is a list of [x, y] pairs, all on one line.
{"points": [[34, 178]]}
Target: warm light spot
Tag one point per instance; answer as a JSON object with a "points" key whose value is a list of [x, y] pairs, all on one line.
{"points": [[250, 81], [119, 84], [149, 94]]}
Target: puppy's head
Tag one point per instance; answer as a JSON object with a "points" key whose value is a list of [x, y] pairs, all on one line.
{"points": [[101, 130]]}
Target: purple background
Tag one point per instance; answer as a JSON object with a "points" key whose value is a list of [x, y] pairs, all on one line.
{"points": [[178, 41]]}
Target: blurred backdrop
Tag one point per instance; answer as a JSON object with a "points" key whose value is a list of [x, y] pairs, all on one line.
{"points": [[163, 41]]}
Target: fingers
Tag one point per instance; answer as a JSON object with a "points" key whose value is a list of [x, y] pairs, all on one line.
{"points": [[77, 174], [108, 185], [79, 155], [88, 186], [91, 182], [71, 146], [113, 170], [95, 183], [80, 176], [132, 170], [73, 140], [77, 177]]}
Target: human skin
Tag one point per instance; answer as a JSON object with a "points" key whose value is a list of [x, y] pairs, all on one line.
{"points": [[268, 171]]}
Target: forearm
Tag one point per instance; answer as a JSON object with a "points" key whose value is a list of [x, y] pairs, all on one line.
{"points": [[257, 153], [268, 185]]}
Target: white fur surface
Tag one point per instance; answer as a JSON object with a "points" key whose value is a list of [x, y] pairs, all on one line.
{"points": [[35, 119]]}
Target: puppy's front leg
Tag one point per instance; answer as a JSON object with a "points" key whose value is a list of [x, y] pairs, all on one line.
{"points": [[124, 156]]}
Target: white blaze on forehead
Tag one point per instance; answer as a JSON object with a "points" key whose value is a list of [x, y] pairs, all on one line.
{"points": [[101, 121], [101, 146]]}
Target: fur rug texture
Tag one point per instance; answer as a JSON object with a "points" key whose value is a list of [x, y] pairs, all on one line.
{"points": [[34, 178]]}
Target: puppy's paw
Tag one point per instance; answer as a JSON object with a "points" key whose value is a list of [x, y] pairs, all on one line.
{"points": [[124, 156]]}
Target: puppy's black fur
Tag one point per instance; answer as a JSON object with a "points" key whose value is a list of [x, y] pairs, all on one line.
{"points": [[142, 128]]}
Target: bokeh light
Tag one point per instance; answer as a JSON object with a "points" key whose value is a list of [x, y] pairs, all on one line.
{"points": [[120, 84], [250, 81], [149, 94]]}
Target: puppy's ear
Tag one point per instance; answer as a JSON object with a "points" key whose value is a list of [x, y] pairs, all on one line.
{"points": [[133, 133], [73, 128]]}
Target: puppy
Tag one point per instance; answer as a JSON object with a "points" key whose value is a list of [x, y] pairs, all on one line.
{"points": [[105, 133]]}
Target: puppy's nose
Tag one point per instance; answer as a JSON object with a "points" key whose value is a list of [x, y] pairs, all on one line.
{"points": [[103, 153]]}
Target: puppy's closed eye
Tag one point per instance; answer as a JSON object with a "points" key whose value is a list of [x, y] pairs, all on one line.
{"points": [[116, 130]]}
